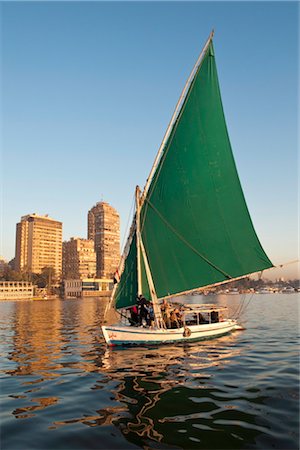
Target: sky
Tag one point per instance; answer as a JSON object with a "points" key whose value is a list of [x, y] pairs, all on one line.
{"points": [[88, 89]]}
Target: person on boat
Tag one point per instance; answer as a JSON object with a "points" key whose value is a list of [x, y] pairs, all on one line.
{"points": [[142, 309], [166, 313], [134, 316], [150, 317], [174, 319], [214, 316], [178, 317], [201, 318]]}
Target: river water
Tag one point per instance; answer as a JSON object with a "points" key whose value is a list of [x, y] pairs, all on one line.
{"points": [[61, 388]]}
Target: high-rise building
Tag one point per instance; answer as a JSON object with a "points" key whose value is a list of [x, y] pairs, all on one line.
{"points": [[38, 244], [104, 229], [79, 259]]}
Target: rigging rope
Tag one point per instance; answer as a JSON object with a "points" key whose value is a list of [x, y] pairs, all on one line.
{"points": [[241, 309]]}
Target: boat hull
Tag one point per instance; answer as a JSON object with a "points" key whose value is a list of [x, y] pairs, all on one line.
{"points": [[125, 335]]}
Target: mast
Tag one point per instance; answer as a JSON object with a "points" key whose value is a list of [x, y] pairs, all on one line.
{"points": [[138, 238], [141, 249], [156, 308], [191, 183], [174, 116]]}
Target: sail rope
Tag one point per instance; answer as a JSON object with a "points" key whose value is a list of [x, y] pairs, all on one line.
{"points": [[242, 307], [185, 241], [245, 305], [237, 312]]}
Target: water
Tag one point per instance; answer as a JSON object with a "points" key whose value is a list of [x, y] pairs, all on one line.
{"points": [[62, 389]]}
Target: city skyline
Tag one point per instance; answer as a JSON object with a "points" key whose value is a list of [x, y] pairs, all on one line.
{"points": [[86, 106]]}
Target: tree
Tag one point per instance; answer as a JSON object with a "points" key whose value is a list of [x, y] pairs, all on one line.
{"points": [[48, 276], [8, 274]]}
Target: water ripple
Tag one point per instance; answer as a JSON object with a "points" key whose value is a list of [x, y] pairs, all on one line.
{"points": [[61, 387]]}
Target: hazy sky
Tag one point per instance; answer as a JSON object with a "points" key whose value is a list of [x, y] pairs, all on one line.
{"points": [[89, 88]]}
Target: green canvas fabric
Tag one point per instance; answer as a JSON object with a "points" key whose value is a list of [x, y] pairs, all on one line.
{"points": [[145, 285], [127, 288], [195, 224]]}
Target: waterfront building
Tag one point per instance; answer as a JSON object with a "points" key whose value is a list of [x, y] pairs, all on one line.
{"points": [[87, 287], [72, 288], [79, 259], [16, 290], [104, 229], [38, 244]]}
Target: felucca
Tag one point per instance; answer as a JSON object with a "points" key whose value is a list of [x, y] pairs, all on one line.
{"points": [[191, 228]]}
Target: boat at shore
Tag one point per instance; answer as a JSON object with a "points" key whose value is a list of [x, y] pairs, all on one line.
{"points": [[191, 229]]}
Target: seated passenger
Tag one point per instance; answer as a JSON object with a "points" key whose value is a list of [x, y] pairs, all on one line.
{"points": [[174, 320], [201, 319], [178, 316], [214, 316]]}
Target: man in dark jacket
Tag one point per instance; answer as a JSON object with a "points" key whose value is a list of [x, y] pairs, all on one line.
{"points": [[142, 309]]}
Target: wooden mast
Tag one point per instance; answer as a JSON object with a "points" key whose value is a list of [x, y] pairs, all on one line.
{"points": [[156, 308], [140, 198], [141, 249]]}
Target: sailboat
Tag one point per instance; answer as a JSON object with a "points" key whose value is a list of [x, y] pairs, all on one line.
{"points": [[191, 228]]}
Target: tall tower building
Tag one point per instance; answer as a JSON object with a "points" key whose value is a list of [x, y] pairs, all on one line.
{"points": [[38, 244], [79, 259], [104, 229]]}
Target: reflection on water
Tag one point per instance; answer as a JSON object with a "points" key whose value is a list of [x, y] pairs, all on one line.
{"points": [[157, 384], [62, 388]]}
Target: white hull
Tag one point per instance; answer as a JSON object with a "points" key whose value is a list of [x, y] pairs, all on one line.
{"points": [[127, 335]]}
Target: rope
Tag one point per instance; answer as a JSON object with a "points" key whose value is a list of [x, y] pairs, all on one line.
{"points": [[243, 305], [128, 318]]}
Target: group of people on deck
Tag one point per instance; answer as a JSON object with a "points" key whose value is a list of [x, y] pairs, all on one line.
{"points": [[143, 314], [171, 316]]}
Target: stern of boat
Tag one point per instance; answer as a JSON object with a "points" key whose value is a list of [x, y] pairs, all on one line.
{"points": [[235, 325]]}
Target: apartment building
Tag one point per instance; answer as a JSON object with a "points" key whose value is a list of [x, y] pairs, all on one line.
{"points": [[104, 230], [38, 244], [79, 259]]}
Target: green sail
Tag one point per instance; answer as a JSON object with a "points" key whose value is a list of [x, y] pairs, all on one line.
{"points": [[126, 291], [195, 224]]}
